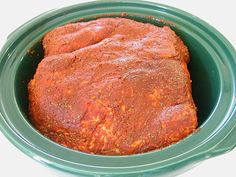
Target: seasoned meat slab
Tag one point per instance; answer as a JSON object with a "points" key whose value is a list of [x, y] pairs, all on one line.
{"points": [[113, 86]]}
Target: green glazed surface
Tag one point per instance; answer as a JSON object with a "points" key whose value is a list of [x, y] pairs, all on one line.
{"points": [[212, 68]]}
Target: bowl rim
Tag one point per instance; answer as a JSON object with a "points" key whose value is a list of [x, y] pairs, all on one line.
{"points": [[203, 146]]}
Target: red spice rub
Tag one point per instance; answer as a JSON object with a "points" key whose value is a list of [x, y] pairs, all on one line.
{"points": [[113, 86]]}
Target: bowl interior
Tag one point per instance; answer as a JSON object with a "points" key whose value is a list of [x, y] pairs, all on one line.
{"points": [[203, 70]]}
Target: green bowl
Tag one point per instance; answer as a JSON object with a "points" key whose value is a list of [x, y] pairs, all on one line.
{"points": [[212, 67]]}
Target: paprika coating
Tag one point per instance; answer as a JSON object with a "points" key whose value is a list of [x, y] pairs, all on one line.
{"points": [[113, 86]]}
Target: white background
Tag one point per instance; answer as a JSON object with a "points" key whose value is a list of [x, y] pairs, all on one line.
{"points": [[220, 14]]}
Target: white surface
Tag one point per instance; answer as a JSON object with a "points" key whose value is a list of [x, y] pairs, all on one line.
{"points": [[220, 14]]}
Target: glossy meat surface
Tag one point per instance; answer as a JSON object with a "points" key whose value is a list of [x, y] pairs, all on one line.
{"points": [[113, 86]]}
